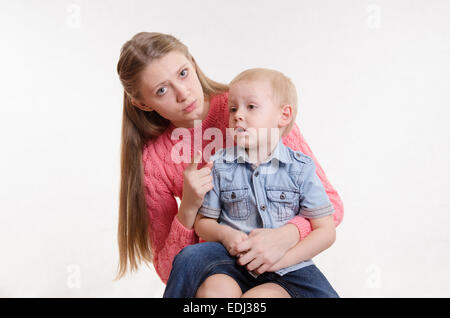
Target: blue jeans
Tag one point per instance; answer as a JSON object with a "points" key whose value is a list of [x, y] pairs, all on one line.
{"points": [[197, 262]]}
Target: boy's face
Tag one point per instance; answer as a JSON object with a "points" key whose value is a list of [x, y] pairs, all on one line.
{"points": [[251, 105]]}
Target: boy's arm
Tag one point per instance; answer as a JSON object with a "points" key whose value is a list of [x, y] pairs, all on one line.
{"points": [[316, 207], [296, 141], [211, 231], [323, 235], [206, 225], [208, 229]]}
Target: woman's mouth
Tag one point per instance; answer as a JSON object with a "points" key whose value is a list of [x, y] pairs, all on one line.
{"points": [[190, 107]]}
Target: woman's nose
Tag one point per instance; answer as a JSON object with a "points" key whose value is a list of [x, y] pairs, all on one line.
{"points": [[182, 92]]}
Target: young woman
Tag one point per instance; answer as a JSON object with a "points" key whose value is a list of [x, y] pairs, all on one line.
{"points": [[165, 89]]}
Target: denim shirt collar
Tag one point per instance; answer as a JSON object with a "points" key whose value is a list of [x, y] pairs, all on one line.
{"points": [[238, 153]]}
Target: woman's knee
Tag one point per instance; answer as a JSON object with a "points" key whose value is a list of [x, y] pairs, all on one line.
{"points": [[219, 286], [200, 253]]}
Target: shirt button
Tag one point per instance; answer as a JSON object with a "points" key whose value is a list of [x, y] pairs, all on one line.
{"points": [[233, 195], [256, 173], [282, 196], [263, 207]]}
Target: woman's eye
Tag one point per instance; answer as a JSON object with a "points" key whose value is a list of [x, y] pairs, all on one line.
{"points": [[184, 73], [161, 91], [232, 109]]}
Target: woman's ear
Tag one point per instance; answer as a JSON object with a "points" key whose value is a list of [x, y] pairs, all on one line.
{"points": [[286, 116], [141, 106]]}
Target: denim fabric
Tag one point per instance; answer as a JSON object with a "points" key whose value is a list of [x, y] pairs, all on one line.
{"points": [[197, 262], [246, 197]]}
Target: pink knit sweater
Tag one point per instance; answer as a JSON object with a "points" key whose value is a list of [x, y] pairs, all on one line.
{"points": [[164, 182]]}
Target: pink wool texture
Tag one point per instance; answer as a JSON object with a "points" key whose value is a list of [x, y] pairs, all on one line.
{"points": [[164, 181]]}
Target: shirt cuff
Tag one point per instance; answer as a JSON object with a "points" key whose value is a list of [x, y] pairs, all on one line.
{"points": [[317, 212], [209, 212]]}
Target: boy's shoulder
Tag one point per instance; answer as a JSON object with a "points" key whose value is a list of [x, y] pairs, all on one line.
{"points": [[227, 156], [298, 156], [219, 154], [223, 156]]}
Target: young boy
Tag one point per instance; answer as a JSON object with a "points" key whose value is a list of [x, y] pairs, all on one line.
{"points": [[260, 183]]}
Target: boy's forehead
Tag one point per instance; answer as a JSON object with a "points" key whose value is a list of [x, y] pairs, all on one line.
{"points": [[250, 89]]}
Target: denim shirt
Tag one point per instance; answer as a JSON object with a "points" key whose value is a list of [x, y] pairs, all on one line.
{"points": [[246, 197]]}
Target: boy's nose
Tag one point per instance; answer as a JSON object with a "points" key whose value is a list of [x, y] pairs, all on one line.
{"points": [[238, 116]]}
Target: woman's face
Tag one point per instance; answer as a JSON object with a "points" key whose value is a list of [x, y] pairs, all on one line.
{"points": [[170, 86]]}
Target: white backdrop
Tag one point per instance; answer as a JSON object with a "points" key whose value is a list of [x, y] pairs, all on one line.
{"points": [[373, 80]]}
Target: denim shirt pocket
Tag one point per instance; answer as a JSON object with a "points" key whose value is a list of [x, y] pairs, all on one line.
{"points": [[235, 203], [283, 203]]}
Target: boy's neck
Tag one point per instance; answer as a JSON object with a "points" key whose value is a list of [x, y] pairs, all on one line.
{"points": [[261, 153]]}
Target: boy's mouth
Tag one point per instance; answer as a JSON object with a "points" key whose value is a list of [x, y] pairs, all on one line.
{"points": [[240, 131]]}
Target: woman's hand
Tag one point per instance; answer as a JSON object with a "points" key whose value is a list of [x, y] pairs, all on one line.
{"points": [[265, 247], [196, 183]]}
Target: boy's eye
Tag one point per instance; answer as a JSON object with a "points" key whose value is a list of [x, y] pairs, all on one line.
{"points": [[161, 91], [251, 106], [233, 109]]}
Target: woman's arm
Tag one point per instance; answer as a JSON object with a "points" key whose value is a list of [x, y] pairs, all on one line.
{"points": [[172, 228], [168, 235], [322, 237]]}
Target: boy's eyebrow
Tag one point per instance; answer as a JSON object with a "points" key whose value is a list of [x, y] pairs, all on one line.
{"points": [[178, 71], [251, 98]]}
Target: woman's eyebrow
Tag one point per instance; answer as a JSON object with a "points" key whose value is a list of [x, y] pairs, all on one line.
{"points": [[177, 72]]}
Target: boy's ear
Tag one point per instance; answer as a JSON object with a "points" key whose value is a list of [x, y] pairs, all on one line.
{"points": [[286, 116], [141, 106]]}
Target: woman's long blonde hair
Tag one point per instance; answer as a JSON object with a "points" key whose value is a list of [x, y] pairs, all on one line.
{"points": [[139, 127]]}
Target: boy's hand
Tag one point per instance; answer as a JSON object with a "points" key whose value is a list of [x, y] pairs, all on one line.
{"points": [[231, 238], [264, 248]]}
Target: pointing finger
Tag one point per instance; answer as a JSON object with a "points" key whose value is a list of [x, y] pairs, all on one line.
{"points": [[196, 159]]}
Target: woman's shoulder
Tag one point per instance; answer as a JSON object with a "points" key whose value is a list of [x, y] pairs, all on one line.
{"points": [[219, 100], [295, 140], [156, 151], [218, 111], [159, 169]]}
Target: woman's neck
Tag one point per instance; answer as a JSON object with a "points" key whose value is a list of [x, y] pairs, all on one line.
{"points": [[205, 108]]}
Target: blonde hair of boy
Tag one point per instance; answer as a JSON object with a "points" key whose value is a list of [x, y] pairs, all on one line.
{"points": [[283, 90]]}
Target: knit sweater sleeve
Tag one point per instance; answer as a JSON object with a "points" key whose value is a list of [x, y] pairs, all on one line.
{"points": [[168, 236], [296, 141], [177, 238]]}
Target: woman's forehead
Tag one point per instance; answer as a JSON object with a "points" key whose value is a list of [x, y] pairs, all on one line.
{"points": [[164, 68]]}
